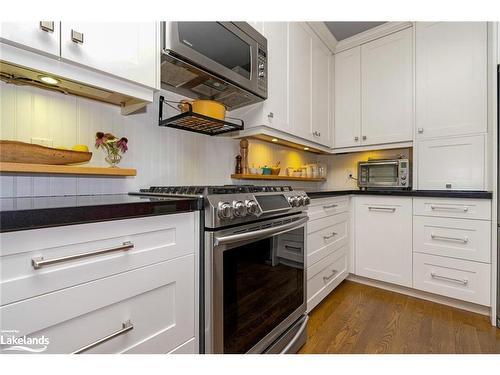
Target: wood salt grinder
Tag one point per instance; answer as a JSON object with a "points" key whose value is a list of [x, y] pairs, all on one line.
{"points": [[244, 155]]}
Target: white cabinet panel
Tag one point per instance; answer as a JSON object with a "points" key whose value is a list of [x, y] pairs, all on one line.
{"points": [[387, 89], [451, 163], [331, 233], [455, 278], [451, 78], [456, 208], [347, 111], [383, 239], [37, 36], [320, 125], [300, 45], [124, 49]]}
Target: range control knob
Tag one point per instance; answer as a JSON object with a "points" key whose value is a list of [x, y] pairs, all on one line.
{"points": [[224, 210], [294, 201], [252, 207], [300, 200], [307, 200], [239, 209]]}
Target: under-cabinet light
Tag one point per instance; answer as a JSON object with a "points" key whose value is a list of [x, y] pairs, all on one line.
{"points": [[49, 80]]}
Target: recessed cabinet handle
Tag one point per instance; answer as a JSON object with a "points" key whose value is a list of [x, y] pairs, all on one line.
{"points": [[47, 26], [326, 278], [40, 262], [446, 208], [386, 209], [444, 238], [126, 326], [76, 36], [459, 281]]}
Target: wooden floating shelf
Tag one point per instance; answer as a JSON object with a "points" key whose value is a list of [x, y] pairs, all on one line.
{"points": [[274, 177], [64, 169]]}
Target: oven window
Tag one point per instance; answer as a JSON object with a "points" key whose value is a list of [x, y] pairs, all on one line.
{"points": [[263, 285], [385, 174], [214, 41]]}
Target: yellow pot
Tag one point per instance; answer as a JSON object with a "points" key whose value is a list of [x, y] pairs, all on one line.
{"points": [[209, 108]]}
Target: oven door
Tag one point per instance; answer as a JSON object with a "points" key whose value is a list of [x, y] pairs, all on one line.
{"points": [[379, 174], [256, 284]]}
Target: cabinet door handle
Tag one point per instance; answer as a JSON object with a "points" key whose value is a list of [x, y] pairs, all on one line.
{"points": [[326, 278], [317, 134], [47, 26], [330, 236], [444, 238], [459, 281], [40, 262], [420, 130], [385, 209], [126, 326], [330, 206], [270, 115], [356, 139], [364, 138], [76, 36], [297, 248], [446, 208]]}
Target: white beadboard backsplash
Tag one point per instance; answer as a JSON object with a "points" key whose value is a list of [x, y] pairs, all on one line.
{"points": [[162, 156]]}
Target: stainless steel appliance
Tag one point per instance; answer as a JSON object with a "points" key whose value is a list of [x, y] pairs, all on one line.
{"points": [[384, 173], [222, 61], [254, 270]]}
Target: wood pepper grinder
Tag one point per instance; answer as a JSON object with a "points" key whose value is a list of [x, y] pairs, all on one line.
{"points": [[244, 155]]}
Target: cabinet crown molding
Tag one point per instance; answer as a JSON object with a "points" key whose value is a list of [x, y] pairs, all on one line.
{"points": [[371, 34]]}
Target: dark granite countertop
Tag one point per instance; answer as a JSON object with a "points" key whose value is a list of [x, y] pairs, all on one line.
{"points": [[41, 212], [405, 193]]}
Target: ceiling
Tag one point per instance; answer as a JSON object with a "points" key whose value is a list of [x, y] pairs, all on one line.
{"points": [[344, 30]]}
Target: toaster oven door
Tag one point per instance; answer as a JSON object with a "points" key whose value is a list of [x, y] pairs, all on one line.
{"points": [[381, 174]]}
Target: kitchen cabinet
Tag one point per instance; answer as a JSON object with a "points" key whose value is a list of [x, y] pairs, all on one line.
{"points": [[300, 49], [387, 89], [347, 92], [41, 36], [451, 78], [125, 49], [383, 238], [451, 163]]}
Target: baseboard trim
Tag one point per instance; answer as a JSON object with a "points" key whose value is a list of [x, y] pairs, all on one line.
{"points": [[468, 306]]}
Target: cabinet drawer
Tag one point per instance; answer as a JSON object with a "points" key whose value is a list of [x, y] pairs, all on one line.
{"points": [[323, 207], [325, 275], [291, 250], [456, 238], [460, 279], [157, 300], [154, 239], [327, 239], [459, 208]]}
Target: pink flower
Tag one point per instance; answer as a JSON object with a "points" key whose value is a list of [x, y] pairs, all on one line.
{"points": [[122, 144]]}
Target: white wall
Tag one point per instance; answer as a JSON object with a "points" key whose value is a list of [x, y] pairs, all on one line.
{"points": [[162, 156]]}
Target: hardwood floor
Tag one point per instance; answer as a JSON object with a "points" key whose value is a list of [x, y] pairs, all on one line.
{"points": [[357, 318]]}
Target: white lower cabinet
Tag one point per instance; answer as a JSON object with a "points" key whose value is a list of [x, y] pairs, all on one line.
{"points": [[383, 238], [142, 296], [327, 247]]}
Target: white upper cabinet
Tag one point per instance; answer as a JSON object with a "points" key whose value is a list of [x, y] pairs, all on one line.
{"points": [[125, 49], [300, 78], [321, 92], [347, 92], [387, 89], [451, 78], [42, 36], [276, 105]]}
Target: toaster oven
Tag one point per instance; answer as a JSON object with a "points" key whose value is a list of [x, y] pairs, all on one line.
{"points": [[384, 173]]}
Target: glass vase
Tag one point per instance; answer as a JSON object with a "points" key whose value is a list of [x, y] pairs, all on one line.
{"points": [[113, 159]]}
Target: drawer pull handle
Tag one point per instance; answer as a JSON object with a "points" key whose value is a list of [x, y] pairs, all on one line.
{"points": [[330, 236], [297, 248], [40, 262], [126, 326], [444, 238], [459, 281], [445, 208], [47, 26], [326, 278], [386, 209], [330, 206], [76, 37]]}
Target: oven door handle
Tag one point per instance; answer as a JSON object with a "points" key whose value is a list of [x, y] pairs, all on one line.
{"points": [[260, 233], [296, 337]]}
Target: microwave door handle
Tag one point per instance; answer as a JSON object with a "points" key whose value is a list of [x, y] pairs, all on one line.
{"points": [[380, 163], [262, 233]]}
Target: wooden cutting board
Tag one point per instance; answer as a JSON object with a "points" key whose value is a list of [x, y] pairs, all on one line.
{"points": [[21, 152]]}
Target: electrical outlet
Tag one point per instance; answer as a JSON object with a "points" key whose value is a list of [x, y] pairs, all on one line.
{"points": [[349, 174], [42, 142]]}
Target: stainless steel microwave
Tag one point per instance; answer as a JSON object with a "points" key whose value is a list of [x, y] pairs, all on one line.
{"points": [[384, 173], [222, 61]]}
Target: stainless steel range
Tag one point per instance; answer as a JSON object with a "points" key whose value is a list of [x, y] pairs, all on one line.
{"points": [[254, 274]]}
